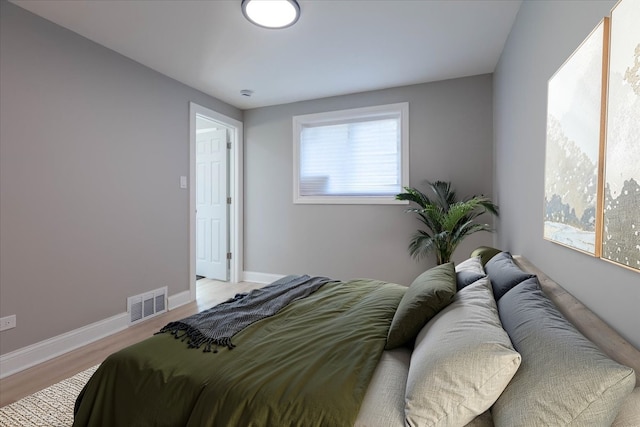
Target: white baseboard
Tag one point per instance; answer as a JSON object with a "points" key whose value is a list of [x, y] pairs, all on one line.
{"points": [[42, 351], [175, 301], [252, 276]]}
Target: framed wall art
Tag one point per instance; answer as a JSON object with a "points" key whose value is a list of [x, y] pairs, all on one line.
{"points": [[621, 213], [575, 130]]}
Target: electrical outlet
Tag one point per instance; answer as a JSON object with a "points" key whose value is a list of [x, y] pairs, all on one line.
{"points": [[8, 322]]}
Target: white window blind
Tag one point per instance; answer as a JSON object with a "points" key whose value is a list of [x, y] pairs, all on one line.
{"points": [[352, 156]]}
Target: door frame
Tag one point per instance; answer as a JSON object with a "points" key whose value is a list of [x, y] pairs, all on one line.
{"points": [[235, 192]]}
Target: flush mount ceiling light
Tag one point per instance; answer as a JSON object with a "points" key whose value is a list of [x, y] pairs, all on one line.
{"points": [[271, 13]]}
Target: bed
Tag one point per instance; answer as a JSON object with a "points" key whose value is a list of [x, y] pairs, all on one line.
{"points": [[325, 359]]}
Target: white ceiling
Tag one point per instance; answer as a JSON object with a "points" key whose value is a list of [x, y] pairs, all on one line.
{"points": [[337, 46]]}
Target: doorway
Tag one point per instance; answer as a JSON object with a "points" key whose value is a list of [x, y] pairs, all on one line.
{"points": [[215, 196]]}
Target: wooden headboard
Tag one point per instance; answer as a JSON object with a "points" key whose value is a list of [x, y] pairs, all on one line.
{"points": [[587, 322]]}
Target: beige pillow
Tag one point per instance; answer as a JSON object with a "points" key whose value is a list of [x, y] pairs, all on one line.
{"points": [[383, 404], [462, 361]]}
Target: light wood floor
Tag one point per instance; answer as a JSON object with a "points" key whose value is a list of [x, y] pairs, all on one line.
{"points": [[15, 387]]}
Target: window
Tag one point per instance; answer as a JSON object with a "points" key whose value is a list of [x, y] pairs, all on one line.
{"points": [[351, 156]]}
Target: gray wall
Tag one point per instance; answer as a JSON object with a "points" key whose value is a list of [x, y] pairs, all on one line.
{"points": [[543, 37], [92, 146], [450, 139]]}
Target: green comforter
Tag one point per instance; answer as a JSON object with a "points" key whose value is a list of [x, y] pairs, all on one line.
{"points": [[309, 365]]}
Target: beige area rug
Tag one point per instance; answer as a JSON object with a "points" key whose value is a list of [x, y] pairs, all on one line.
{"points": [[51, 407]]}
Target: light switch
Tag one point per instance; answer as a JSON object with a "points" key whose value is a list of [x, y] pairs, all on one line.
{"points": [[183, 182], [8, 322]]}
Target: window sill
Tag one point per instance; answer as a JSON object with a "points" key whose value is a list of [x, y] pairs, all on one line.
{"points": [[342, 200]]}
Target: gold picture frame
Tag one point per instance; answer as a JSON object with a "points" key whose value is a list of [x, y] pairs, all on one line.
{"points": [[621, 189]]}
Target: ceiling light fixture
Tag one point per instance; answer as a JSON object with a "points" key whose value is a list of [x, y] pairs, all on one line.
{"points": [[271, 13]]}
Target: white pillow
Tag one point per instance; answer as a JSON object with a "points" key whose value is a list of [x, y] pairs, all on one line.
{"points": [[472, 265], [461, 362]]}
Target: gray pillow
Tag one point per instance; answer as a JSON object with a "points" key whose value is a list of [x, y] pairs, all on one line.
{"points": [[564, 379], [465, 278], [504, 274], [468, 272], [428, 294], [461, 362]]}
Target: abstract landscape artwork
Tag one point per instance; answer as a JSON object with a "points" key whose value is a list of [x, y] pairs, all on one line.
{"points": [[574, 133], [621, 228]]}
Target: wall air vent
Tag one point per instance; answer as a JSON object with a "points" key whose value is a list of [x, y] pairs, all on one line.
{"points": [[144, 306]]}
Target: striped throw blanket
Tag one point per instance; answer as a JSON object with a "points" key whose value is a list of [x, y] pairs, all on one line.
{"points": [[216, 326]]}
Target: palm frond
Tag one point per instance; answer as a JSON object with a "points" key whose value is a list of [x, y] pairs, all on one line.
{"points": [[486, 204], [489, 206], [421, 244], [467, 229], [433, 217], [445, 196], [459, 213], [415, 196]]}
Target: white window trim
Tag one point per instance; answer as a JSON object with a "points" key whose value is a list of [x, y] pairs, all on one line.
{"points": [[328, 118]]}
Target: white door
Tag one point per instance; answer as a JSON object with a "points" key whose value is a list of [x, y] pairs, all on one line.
{"points": [[211, 203]]}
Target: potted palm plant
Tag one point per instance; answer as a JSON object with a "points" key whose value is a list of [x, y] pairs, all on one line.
{"points": [[448, 220]]}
